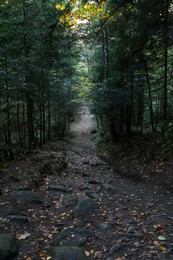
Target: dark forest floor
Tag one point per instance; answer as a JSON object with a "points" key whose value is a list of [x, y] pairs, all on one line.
{"points": [[133, 192], [140, 159]]}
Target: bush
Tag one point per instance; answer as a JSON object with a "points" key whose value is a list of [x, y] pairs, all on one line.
{"points": [[167, 147], [101, 137]]}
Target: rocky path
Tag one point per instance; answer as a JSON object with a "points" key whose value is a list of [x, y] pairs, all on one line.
{"points": [[79, 208]]}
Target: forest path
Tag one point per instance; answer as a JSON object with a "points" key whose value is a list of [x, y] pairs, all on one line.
{"points": [[132, 220]]}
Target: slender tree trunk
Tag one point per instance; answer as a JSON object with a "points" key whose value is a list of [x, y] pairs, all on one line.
{"points": [[9, 142], [49, 117], [29, 101], [121, 121], [18, 122], [165, 99], [24, 127], [105, 54], [149, 92], [41, 124], [31, 136], [43, 113]]}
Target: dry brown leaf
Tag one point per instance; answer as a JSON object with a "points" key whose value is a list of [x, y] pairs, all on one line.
{"points": [[22, 236], [50, 235], [87, 253], [42, 254], [156, 243], [98, 254], [158, 227]]}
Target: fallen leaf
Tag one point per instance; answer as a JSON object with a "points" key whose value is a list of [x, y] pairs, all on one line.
{"points": [[146, 239], [157, 243], [153, 251], [161, 238], [87, 253], [163, 248], [22, 236], [50, 235], [88, 225], [159, 227], [98, 254], [42, 254]]}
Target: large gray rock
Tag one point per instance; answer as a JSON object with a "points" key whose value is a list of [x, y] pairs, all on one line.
{"points": [[84, 206], [74, 237], [27, 196], [8, 246], [58, 188], [68, 253], [17, 218], [8, 210]]}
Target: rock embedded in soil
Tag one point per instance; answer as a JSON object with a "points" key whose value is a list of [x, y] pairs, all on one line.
{"points": [[94, 182], [108, 187], [103, 226], [85, 187], [58, 188], [68, 253], [74, 237], [71, 201], [14, 178], [18, 218], [8, 246], [27, 196], [85, 205], [8, 210]]}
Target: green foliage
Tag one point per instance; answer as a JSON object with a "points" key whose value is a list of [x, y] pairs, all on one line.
{"points": [[101, 138], [37, 74], [131, 68], [167, 147]]}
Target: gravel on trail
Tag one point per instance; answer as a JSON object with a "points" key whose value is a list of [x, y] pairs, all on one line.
{"points": [[117, 218]]}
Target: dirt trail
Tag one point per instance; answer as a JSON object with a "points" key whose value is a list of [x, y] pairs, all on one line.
{"points": [[84, 124], [133, 220]]}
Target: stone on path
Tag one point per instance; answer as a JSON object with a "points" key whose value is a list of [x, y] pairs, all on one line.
{"points": [[68, 253], [85, 205], [27, 196], [74, 237], [8, 246], [8, 210], [103, 226], [17, 218], [109, 187], [58, 188], [94, 182]]}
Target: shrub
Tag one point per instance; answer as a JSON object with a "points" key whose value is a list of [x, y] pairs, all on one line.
{"points": [[167, 147]]}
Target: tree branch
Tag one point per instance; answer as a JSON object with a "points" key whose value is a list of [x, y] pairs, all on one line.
{"points": [[53, 26], [156, 12], [114, 11]]}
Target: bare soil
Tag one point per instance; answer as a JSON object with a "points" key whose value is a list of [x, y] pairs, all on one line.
{"points": [[134, 219]]}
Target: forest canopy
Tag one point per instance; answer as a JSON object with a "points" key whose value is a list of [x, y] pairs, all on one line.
{"points": [[117, 55]]}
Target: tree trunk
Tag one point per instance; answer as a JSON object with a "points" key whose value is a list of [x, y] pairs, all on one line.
{"points": [[105, 54], [165, 101], [31, 136], [9, 142], [149, 92], [49, 117]]}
